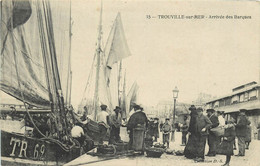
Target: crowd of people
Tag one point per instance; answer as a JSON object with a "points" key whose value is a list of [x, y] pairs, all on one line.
{"points": [[218, 133], [199, 128]]}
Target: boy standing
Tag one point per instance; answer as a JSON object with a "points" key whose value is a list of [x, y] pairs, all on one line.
{"points": [[166, 129]]}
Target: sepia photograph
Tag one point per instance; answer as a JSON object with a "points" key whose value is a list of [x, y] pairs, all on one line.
{"points": [[130, 82]]}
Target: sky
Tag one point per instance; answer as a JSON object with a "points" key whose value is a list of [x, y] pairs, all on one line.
{"points": [[196, 55]]}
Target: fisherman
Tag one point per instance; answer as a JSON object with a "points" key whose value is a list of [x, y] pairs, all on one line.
{"points": [[85, 114], [77, 133], [241, 128], [212, 138], [222, 123], [156, 129], [166, 129], [116, 121], [137, 118], [102, 119], [202, 125]]}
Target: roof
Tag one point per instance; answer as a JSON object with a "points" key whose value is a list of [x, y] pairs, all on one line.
{"points": [[249, 105], [236, 92]]}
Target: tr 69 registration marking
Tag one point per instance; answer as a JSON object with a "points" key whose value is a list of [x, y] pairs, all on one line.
{"points": [[22, 145]]}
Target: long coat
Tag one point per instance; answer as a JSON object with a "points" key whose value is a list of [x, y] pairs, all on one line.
{"points": [[226, 146], [193, 119], [241, 126], [203, 122], [248, 133]]}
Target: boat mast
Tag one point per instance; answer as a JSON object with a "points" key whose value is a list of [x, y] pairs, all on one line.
{"points": [[69, 70], [70, 88], [57, 84], [118, 83], [96, 99]]}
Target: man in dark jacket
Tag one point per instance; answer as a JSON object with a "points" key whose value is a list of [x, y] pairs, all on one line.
{"points": [[202, 125], [137, 118], [115, 124], [241, 128], [212, 138]]}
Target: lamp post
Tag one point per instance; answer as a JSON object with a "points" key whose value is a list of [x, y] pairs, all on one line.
{"points": [[175, 96]]}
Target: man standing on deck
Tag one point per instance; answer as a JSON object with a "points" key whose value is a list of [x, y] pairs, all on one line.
{"points": [[137, 118], [212, 138], [116, 121], [102, 119]]}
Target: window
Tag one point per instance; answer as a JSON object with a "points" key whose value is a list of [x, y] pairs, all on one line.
{"points": [[252, 94], [241, 98], [235, 99]]}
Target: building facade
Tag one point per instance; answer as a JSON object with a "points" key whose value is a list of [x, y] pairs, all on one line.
{"points": [[247, 97]]}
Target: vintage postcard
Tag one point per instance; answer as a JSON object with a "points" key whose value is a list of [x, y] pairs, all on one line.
{"points": [[120, 82]]}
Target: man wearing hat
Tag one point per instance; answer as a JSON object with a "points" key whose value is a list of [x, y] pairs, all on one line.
{"points": [[241, 128], [116, 121], [102, 119], [212, 138], [138, 118], [202, 125]]}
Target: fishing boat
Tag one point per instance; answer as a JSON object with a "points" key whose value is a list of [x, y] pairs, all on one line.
{"points": [[35, 69]]}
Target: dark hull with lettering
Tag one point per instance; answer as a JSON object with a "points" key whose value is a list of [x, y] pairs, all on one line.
{"points": [[16, 149]]}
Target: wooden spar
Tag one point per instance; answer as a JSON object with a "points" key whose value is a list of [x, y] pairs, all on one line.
{"points": [[56, 75], [70, 87], [96, 97], [69, 70], [118, 83]]}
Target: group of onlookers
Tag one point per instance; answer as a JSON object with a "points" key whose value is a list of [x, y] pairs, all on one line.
{"points": [[202, 129]]}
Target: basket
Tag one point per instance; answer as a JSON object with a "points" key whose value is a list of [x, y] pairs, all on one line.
{"points": [[218, 131], [154, 152]]}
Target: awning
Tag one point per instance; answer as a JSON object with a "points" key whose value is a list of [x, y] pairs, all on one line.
{"points": [[248, 105]]}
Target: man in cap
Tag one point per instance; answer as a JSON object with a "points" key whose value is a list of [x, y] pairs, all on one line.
{"points": [[212, 138], [102, 119], [241, 128], [137, 118], [202, 125], [115, 123]]}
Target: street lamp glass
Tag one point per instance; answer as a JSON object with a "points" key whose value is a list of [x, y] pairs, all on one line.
{"points": [[175, 92]]}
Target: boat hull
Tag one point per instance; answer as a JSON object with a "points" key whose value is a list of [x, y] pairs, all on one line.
{"points": [[17, 149]]}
